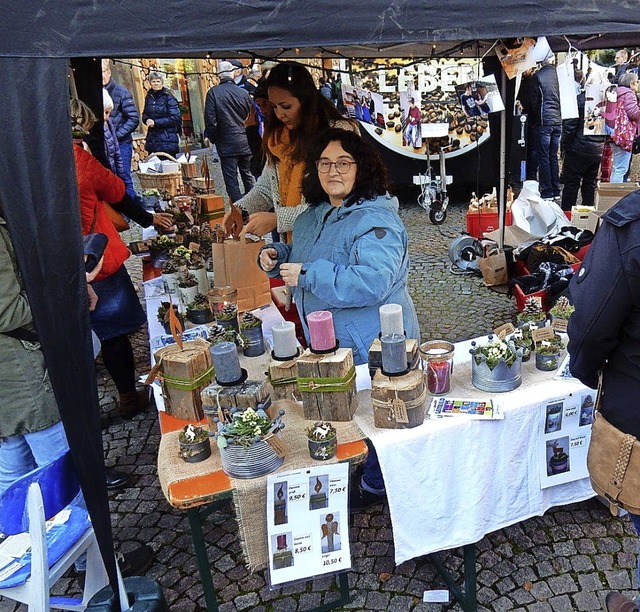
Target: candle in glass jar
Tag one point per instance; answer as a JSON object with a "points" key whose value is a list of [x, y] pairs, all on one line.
{"points": [[285, 344], [226, 362], [394, 353], [438, 377], [321, 332], [391, 319]]}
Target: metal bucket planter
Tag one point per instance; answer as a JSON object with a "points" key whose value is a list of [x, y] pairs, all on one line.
{"points": [[324, 449], [548, 363], [257, 460], [253, 341], [499, 380], [158, 258], [199, 316], [194, 452]]}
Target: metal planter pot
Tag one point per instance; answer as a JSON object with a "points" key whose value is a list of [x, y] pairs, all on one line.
{"points": [[257, 460], [501, 379]]}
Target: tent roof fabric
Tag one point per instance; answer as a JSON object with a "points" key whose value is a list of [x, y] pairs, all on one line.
{"points": [[277, 28]]}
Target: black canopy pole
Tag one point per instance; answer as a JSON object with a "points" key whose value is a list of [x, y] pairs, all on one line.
{"points": [[40, 198]]}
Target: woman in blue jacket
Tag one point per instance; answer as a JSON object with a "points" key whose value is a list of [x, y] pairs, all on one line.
{"points": [[348, 255], [161, 115]]}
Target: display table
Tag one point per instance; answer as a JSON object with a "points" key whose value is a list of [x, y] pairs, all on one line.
{"points": [[452, 480]]}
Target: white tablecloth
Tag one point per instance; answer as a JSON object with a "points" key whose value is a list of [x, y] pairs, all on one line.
{"points": [[450, 481]]}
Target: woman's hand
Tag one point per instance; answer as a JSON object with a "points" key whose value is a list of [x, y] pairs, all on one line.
{"points": [[92, 275], [162, 221], [251, 119], [232, 222], [150, 122], [268, 259], [92, 297], [289, 273], [261, 223]]}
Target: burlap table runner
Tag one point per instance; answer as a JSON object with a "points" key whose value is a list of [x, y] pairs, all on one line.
{"points": [[250, 495]]}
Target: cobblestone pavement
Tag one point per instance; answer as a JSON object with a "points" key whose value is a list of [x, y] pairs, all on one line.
{"points": [[566, 560]]}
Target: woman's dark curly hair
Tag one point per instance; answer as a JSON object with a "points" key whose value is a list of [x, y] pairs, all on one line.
{"points": [[317, 113], [371, 173]]}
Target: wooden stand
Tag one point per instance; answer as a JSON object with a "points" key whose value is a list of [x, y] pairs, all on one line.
{"points": [[313, 372], [210, 208], [202, 185], [183, 376], [398, 401], [375, 355], [216, 398], [283, 377]]}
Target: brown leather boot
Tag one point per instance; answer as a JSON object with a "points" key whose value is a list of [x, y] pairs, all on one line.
{"points": [[133, 403]]}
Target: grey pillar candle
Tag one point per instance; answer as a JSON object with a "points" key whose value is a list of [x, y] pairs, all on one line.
{"points": [[226, 362], [394, 353]]}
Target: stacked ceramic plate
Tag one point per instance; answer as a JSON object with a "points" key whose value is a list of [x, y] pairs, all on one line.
{"points": [[256, 460]]}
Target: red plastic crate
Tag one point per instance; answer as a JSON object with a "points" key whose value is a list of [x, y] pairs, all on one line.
{"points": [[522, 297], [480, 223]]}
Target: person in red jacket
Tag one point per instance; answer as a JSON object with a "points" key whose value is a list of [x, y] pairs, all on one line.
{"points": [[118, 311]]}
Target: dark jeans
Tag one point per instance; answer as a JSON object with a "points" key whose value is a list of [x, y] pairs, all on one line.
{"points": [[230, 166], [126, 151], [532, 154], [372, 480], [579, 172], [549, 170]]}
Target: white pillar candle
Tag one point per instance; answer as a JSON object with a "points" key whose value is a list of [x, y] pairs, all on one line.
{"points": [[285, 343], [391, 319]]}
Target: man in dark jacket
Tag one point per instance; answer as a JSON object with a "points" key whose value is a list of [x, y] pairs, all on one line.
{"points": [[581, 154], [226, 109], [604, 330], [124, 118], [545, 113]]}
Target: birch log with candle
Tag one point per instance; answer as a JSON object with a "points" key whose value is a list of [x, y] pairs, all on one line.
{"points": [[317, 374]]}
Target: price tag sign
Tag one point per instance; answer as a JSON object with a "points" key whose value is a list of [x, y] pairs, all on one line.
{"points": [[278, 446], [542, 333], [399, 410], [194, 246], [560, 325], [504, 330]]}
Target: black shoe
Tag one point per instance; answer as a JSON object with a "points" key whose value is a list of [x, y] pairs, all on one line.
{"points": [[360, 499], [115, 479], [136, 561]]}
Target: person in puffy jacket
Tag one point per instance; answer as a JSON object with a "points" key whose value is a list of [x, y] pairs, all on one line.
{"points": [[581, 154], [627, 103], [349, 255], [124, 118], [545, 115], [162, 117]]}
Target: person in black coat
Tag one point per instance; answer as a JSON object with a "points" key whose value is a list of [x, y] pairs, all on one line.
{"points": [[162, 117], [581, 156], [226, 108]]}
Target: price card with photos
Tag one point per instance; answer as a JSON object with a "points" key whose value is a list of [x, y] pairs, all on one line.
{"points": [[308, 522]]}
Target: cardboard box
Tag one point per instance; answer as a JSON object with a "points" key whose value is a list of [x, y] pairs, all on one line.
{"points": [[609, 194], [580, 215], [594, 220]]}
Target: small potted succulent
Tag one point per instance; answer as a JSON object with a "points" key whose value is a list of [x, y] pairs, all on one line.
{"points": [[561, 311], [197, 268], [532, 313], [228, 316], [163, 316], [251, 334], [194, 443], [548, 353], [198, 311], [217, 334], [323, 440], [150, 198], [187, 288], [522, 338]]}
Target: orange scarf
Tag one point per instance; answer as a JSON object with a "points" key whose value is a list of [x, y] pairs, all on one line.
{"points": [[290, 172]]}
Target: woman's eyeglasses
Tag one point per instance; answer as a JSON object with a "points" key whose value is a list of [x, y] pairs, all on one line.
{"points": [[342, 166]]}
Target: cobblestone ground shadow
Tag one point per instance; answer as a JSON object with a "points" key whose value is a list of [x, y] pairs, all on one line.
{"points": [[566, 560]]}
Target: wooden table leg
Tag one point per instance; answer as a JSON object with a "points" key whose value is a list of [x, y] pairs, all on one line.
{"points": [[202, 559]]}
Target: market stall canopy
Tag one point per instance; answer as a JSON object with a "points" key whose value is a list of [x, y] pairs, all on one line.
{"points": [[290, 28]]}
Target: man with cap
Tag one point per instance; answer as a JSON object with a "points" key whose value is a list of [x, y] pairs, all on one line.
{"points": [[240, 76], [226, 108]]}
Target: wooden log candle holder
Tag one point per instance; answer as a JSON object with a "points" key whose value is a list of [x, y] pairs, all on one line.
{"points": [[327, 385], [399, 402], [375, 355], [283, 376]]}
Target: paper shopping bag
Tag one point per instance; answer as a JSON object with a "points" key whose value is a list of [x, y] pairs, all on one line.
{"points": [[235, 263], [493, 266]]}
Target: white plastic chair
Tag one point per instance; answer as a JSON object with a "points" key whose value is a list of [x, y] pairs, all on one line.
{"points": [[24, 507]]}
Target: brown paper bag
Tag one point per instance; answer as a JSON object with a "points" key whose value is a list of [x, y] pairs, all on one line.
{"points": [[236, 264], [494, 267]]}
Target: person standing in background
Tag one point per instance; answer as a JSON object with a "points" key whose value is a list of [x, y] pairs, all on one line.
{"points": [[581, 156], [162, 117], [124, 118], [546, 115], [627, 113], [226, 109]]}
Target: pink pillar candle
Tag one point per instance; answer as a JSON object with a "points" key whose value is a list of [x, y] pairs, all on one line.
{"points": [[321, 332]]}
